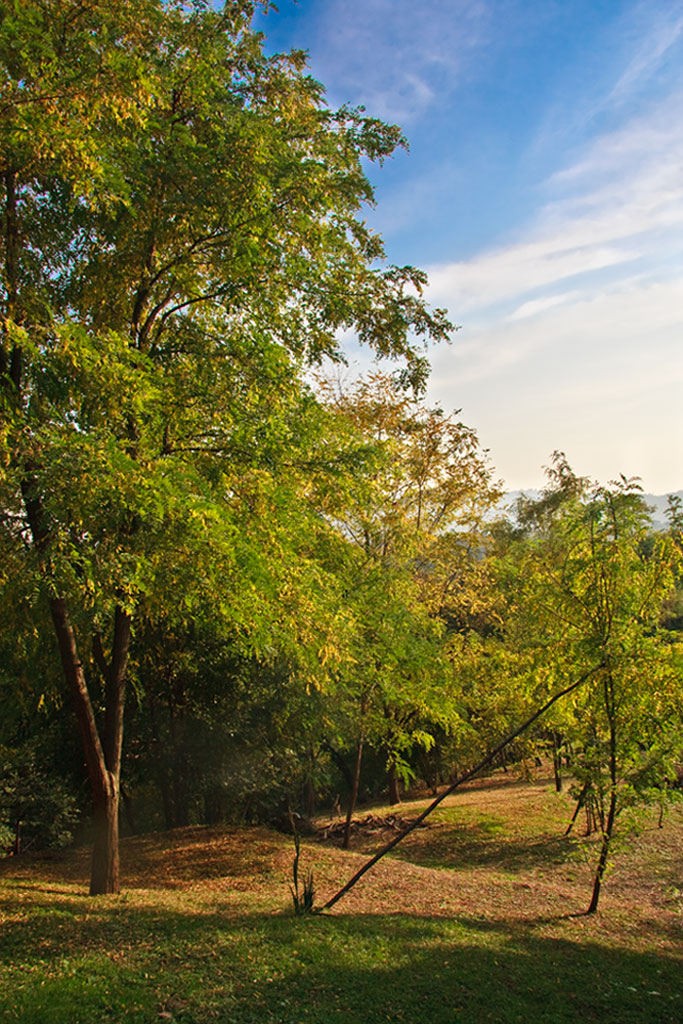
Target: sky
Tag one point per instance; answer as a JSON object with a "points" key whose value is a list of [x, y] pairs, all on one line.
{"points": [[543, 194]]}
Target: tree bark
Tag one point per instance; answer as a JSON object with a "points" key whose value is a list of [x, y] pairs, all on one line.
{"points": [[353, 798], [167, 801], [102, 755], [105, 871], [102, 752], [340, 763], [579, 805], [557, 762], [608, 827], [604, 852], [129, 810], [394, 789], [309, 797]]}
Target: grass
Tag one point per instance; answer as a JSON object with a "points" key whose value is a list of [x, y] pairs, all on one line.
{"points": [[472, 924]]}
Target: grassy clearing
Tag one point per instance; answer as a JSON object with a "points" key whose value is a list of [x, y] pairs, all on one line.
{"points": [[471, 924]]}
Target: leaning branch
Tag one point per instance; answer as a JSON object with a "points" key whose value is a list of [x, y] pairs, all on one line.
{"points": [[490, 757]]}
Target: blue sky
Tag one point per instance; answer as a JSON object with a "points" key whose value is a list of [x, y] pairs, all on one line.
{"points": [[543, 194]]}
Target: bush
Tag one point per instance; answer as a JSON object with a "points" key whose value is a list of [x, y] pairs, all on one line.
{"points": [[36, 809]]}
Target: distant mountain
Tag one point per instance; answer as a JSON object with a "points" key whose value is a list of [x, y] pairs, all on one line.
{"points": [[657, 502]]}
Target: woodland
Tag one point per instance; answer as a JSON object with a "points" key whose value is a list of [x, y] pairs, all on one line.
{"points": [[239, 583]]}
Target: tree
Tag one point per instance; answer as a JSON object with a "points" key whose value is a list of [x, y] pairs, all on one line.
{"points": [[412, 524], [180, 233], [592, 584], [230, 678]]}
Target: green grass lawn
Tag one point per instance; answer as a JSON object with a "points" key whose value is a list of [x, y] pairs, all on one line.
{"points": [[203, 932]]}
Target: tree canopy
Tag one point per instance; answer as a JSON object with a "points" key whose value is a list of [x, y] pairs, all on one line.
{"points": [[181, 233], [285, 572]]}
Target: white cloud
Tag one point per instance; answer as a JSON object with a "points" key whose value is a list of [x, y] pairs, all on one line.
{"points": [[536, 306], [621, 201], [508, 273], [600, 378], [594, 369], [634, 55], [572, 323]]}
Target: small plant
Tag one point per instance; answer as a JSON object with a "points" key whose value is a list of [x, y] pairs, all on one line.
{"points": [[303, 899]]}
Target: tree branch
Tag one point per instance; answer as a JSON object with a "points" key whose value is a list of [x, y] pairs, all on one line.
{"points": [[458, 782]]}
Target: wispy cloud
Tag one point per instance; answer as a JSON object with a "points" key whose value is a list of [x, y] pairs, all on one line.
{"points": [[620, 202], [536, 306], [665, 29], [394, 56], [636, 57], [600, 378], [638, 309], [505, 275], [572, 326], [569, 285]]}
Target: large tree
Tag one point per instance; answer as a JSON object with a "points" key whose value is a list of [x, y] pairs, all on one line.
{"points": [[180, 230]]}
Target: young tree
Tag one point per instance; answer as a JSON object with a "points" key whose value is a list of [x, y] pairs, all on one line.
{"points": [[180, 229], [592, 584]]}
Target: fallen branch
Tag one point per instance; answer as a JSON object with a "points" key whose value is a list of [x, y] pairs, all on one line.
{"points": [[490, 757], [370, 825]]}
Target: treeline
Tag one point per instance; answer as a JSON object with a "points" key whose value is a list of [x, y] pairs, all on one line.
{"points": [[279, 590]]}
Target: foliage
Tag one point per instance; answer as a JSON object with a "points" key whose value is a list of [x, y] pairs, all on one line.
{"points": [[181, 237], [589, 585], [37, 810], [283, 572], [410, 523]]}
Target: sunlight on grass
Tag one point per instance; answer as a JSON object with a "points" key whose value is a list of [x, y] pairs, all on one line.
{"points": [[224, 947]]}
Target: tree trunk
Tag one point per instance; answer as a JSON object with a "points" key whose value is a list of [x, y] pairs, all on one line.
{"points": [[167, 801], [309, 797], [104, 874], [179, 770], [102, 755], [214, 811], [557, 763], [604, 852], [353, 798], [162, 770], [129, 810], [394, 789], [579, 805], [610, 711], [340, 763], [181, 801], [488, 760]]}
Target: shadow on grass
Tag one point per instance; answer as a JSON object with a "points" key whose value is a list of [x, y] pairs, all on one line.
{"points": [[484, 844], [119, 961], [167, 860]]}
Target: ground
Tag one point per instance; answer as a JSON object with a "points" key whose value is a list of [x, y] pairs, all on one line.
{"points": [[475, 919]]}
